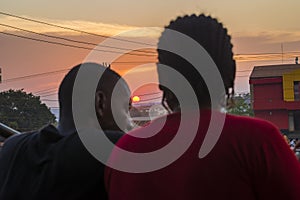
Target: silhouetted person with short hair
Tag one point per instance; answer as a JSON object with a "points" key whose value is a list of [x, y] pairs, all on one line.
{"points": [[52, 163], [250, 159]]}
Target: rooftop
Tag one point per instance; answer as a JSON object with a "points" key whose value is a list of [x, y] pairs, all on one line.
{"points": [[272, 70]]}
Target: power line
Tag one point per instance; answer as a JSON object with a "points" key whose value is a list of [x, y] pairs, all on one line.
{"points": [[104, 36], [67, 69], [256, 55], [243, 76], [150, 99], [238, 57], [271, 53], [45, 90], [265, 60], [54, 107], [248, 70], [143, 100], [68, 28], [132, 62], [54, 100], [56, 72], [69, 45], [61, 71], [147, 94], [34, 75], [47, 95], [265, 56], [71, 40]]}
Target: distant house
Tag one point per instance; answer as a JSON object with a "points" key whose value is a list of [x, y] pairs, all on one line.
{"points": [[275, 92]]}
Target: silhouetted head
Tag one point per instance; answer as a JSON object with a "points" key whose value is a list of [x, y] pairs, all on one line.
{"points": [[213, 37], [103, 99]]}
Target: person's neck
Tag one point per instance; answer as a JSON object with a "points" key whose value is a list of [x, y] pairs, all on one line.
{"points": [[66, 126]]}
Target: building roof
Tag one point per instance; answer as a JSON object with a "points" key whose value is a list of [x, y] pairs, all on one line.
{"points": [[272, 70]]}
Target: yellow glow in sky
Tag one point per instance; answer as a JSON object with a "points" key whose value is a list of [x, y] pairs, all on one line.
{"points": [[136, 99]]}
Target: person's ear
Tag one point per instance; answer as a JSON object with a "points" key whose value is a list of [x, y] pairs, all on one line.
{"points": [[100, 103], [171, 100]]}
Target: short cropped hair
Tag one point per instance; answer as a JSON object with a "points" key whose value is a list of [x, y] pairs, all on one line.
{"points": [[66, 87]]}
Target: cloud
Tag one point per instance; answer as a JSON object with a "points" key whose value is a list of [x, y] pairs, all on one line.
{"points": [[266, 45], [270, 36], [87, 26]]}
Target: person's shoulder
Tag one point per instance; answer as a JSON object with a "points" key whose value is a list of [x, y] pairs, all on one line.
{"points": [[16, 138], [15, 141], [248, 121], [45, 133], [49, 134], [114, 136], [252, 126]]}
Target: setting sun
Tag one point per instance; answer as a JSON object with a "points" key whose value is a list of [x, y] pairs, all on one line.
{"points": [[136, 98]]}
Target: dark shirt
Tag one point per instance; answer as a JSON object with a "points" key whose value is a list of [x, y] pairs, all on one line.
{"points": [[1, 141], [45, 165]]}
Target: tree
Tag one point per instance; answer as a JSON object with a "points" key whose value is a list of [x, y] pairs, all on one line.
{"points": [[23, 111], [242, 105]]}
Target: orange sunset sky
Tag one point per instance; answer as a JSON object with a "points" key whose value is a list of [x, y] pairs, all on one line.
{"points": [[261, 30]]}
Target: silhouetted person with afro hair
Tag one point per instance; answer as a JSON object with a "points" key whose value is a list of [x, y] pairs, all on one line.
{"points": [[249, 160]]}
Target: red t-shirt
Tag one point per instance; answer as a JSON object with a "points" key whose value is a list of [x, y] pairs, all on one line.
{"points": [[251, 160]]}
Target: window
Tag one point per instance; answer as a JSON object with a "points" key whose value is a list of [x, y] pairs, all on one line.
{"points": [[297, 120], [297, 90], [291, 121], [294, 120]]}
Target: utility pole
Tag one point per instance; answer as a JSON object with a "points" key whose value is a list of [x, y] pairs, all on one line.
{"points": [[282, 53]]}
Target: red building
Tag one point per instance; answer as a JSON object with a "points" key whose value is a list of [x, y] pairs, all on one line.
{"points": [[275, 92]]}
